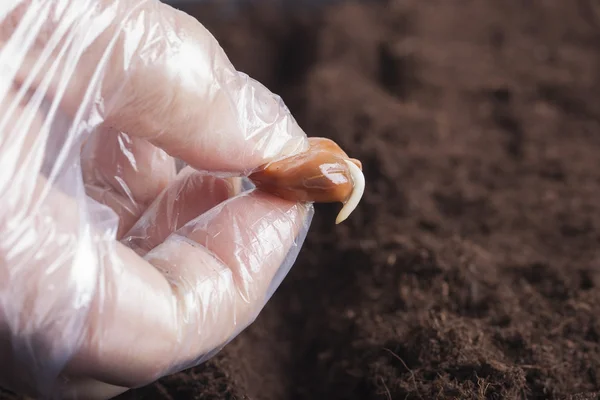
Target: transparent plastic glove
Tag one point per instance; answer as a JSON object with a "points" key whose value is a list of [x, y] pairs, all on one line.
{"points": [[118, 268]]}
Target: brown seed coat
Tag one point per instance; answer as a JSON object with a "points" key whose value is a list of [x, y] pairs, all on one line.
{"points": [[318, 175]]}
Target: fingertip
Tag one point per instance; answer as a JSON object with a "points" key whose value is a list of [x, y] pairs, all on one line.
{"points": [[252, 234], [190, 195]]}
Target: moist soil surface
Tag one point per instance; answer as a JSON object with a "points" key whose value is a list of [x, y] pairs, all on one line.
{"points": [[472, 268]]}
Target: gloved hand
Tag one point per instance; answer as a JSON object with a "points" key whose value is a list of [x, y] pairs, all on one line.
{"points": [[117, 267]]}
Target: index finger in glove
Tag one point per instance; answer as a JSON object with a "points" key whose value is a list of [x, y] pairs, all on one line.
{"points": [[161, 76]]}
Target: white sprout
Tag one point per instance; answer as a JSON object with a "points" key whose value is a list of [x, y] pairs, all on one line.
{"points": [[351, 203]]}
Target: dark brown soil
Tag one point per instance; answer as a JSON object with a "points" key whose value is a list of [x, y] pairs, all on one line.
{"points": [[472, 268]]}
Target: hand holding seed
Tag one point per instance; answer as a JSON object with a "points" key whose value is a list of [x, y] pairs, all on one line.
{"points": [[119, 268], [323, 174]]}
